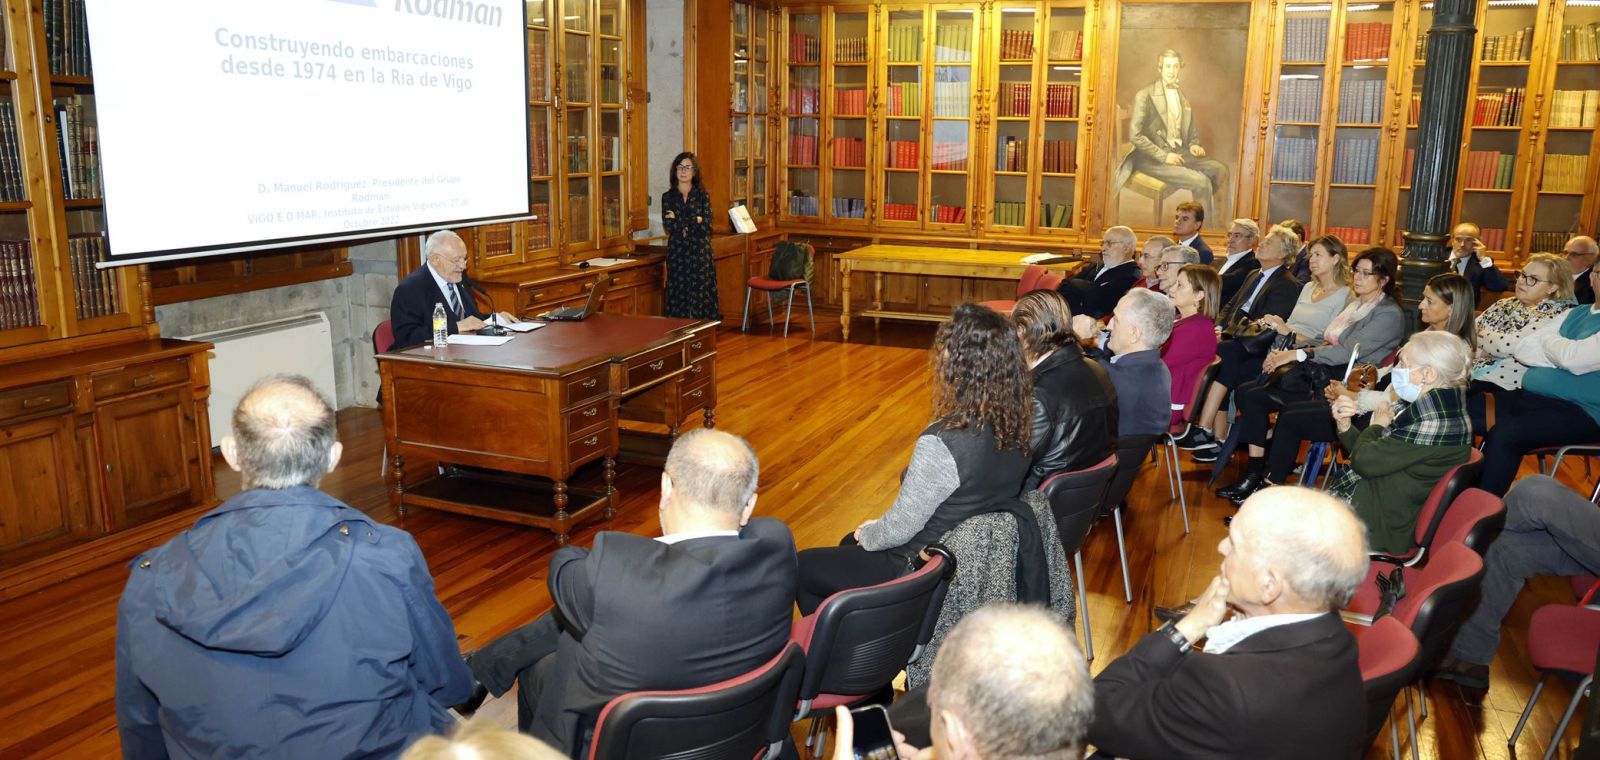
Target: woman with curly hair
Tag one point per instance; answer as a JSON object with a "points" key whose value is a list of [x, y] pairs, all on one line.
{"points": [[969, 461]]}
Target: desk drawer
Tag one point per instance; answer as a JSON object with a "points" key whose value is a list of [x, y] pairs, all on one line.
{"points": [[585, 446], [646, 368], [700, 371], [702, 344], [696, 396], [140, 377], [586, 385], [35, 399], [637, 276], [589, 415], [555, 291]]}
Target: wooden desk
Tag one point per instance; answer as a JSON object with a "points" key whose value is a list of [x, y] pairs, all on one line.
{"points": [[515, 422], [916, 260]]}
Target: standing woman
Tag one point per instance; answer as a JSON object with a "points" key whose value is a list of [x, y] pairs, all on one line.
{"points": [[686, 216]]}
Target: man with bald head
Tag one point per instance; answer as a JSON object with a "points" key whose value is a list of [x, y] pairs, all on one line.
{"points": [[1278, 675], [284, 622], [1095, 290], [1150, 262], [709, 600], [1470, 259], [1581, 252], [441, 280]]}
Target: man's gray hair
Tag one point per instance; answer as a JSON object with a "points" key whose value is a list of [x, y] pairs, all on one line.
{"points": [[1014, 677], [1160, 241], [1249, 226], [440, 239], [1585, 242], [714, 470], [1314, 541], [1122, 236], [283, 430], [1152, 313], [1190, 255]]}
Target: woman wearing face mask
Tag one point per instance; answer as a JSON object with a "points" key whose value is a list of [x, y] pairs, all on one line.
{"points": [[1399, 456]]}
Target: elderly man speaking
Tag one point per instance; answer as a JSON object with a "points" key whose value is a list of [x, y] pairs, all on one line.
{"points": [[1278, 679]]}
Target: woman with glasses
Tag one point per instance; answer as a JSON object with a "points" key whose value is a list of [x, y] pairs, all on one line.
{"points": [[1543, 292], [1373, 323], [691, 291]]}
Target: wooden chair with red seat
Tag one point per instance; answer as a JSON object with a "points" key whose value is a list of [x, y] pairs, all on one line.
{"points": [[738, 719], [1563, 640], [770, 286], [1474, 519], [1438, 603], [1050, 281], [1170, 440], [1029, 283], [1390, 660], [1075, 501]]}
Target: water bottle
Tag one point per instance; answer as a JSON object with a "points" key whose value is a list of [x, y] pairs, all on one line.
{"points": [[441, 333]]}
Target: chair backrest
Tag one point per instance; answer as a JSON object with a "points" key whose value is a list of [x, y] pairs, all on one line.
{"points": [[860, 639], [1475, 518], [1444, 493], [1207, 377], [383, 337], [1440, 599], [736, 719], [1075, 498], [1390, 659], [1132, 452], [1030, 279], [1050, 281]]}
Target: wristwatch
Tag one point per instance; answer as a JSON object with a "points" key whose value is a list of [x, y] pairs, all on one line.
{"points": [[1170, 630], [1301, 354]]}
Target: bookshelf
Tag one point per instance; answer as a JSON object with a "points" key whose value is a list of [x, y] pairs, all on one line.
{"points": [[754, 33], [1011, 109], [849, 52], [949, 121], [1559, 202], [900, 82], [803, 117], [1498, 120], [1059, 118]]}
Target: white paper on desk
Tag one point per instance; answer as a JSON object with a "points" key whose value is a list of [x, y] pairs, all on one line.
{"points": [[605, 262], [524, 326], [1034, 258], [479, 340]]}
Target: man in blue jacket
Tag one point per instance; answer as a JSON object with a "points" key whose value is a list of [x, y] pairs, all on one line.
{"points": [[284, 623]]}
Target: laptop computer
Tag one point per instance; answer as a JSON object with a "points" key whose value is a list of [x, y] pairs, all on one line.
{"points": [[597, 296]]}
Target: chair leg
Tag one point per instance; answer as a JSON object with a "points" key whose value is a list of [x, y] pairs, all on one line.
{"points": [[1394, 737], [1172, 472], [1083, 608], [744, 322], [770, 321], [1411, 725], [810, 315], [1177, 471], [1566, 717], [788, 313], [1526, 711], [1422, 697], [1122, 553]]}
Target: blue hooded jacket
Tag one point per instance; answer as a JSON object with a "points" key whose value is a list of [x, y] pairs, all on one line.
{"points": [[284, 624]]}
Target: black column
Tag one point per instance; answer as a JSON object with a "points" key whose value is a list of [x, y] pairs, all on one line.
{"points": [[1433, 181]]}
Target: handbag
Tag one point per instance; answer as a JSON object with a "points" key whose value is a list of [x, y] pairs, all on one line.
{"points": [[1258, 340], [1300, 381]]}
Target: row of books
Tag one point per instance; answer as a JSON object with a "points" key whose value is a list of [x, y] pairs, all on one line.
{"points": [[850, 101], [949, 214], [1580, 43], [1547, 241], [94, 289], [805, 100], [1361, 101], [578, 211], [804, 48], [850, 152], [1065, 45], [1355, 161], [1300, 99], [1367, 41], [1490, 169], [1294, 159], [497, 241], [1060, 156], [610, 153], [66, 31], [1016, 44], [1499, 109], [905, 99], [1014, 98], [578, 82], [577, 154], [78, 144], [538, 65], [905, 43], [1011, 155], [903, 154], [1010, 213], [1493, 238], [19, 293], [900, 212], [1060, 101], [539, 228], [1509, 47], [952, 98], [1564, 173], [803, 150], [803, 205], [12, 186], [1351, 235], [1305, 40], [1057, 215], [953, 43], [1573, 108], [949, 156], [850, 50], [611, 86], [610, 216]]}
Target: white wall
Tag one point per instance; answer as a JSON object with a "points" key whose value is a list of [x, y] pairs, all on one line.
{"points": [[664, 50]]}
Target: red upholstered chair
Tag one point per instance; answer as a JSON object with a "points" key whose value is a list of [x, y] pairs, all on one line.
{"points": [[1029, 282], [1562, 640], [1475, 519], [738, 719], [1050, 281], [770, 286], [1458, 479], [1075, 501], [1170, 452], [383, 338], [1445, 592], [1390, 660], [858, 640]]}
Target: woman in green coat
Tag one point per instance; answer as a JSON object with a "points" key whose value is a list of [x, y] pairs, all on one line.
{"points": [[1406, 448]]}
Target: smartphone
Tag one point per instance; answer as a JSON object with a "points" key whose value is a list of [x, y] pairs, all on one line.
{"points": [[874, 739]]}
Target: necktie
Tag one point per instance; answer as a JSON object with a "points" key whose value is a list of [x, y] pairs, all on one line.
{"points": [[455, 302]]}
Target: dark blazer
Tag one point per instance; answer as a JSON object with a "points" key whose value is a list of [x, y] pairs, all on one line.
{"points": [[1235, 276], [1581, 287], [1302, 265], [1293, 691], [1490, 279], [639, 614], [1144, 392], [1074, 415], [411, 308], [1278, 297], [1097, 297], [1200, 247]]}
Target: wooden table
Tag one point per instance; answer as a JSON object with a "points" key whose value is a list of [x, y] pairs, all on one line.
{"points": [[513, 423], [916, 260]]}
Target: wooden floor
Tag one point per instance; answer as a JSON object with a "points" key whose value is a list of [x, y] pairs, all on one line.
{"points": [[834, 425]]}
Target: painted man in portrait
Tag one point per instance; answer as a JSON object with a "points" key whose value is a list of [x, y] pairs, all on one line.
{"points": [[1166, 145]]}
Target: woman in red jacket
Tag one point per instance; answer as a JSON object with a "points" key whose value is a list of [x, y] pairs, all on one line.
{"points": [[1193, 343]]}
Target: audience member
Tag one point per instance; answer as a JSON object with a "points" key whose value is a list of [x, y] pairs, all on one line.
{"points": [[1281, 677], [481, 740], [1550, 530], [1404, 451], [1301, 271], [1243, 236], [438, 281], [1322, 298], [1543, 295], [1186, 224], [1175, 257], [1095, 290], [1581, 252], [1559, 403], [1447, 305], [711, 599], [1150, 262], [1468, 259], [1193, 343], [971, 460], [284, 620], [1138, 329], [1074, 403]]}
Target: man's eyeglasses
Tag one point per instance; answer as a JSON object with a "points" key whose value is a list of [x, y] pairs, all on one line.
{"points": [[1528, 279]]}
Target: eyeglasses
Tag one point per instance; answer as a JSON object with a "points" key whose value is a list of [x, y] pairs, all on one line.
{"points": [[1528, 279], [681, 167], [1166, 264], [1364, 272]]}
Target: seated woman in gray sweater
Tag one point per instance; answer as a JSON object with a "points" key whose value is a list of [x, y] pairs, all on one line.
{"points": [[970, 461]]}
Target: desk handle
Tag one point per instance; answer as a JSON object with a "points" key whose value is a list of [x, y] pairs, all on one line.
{"points": [[590, 382], [658, 364], [591, 411], [33, 402], [698, 392], [591, 440], [697, 345], [140, 382], [697, 369]]}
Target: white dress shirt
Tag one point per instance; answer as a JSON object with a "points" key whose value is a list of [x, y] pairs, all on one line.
{"points": [[1174, 119], [444, 287], [1221, 638], [1233, 258], [690, 535], [1260, 283]]}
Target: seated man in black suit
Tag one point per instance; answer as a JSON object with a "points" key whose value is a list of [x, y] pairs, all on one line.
{"points": [[1141, 323], [1095, 290], [1467, 258], [438, 281], [709, 600], [1581, 252], [1186, 224], [1243, 237], [1279, 679]]}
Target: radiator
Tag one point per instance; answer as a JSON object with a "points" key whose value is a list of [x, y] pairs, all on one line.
{"points": [[300, 345]]}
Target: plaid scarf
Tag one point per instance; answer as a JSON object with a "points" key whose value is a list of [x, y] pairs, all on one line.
{"points": [[1438, 418]]}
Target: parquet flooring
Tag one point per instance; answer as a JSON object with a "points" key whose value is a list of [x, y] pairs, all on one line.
{"points": [[834, 424]]}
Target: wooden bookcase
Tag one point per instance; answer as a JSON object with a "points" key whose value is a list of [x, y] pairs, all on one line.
{"points": [[752, 121]]}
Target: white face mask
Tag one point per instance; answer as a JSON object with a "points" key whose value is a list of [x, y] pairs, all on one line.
{"points": [[1400, 381]]}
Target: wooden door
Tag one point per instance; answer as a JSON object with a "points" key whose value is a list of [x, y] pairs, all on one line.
{"points": [[148, 451], [43, 505]]}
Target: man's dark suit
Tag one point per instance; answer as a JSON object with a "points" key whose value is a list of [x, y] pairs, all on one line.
{"points": [[1237, 274], [1200, 247], [1204, 177], [1292, 691], [411, 308], [634, 614], [1582, 288], [1277, 297], [1302, 265], [1490, 278], [1098, 297]]}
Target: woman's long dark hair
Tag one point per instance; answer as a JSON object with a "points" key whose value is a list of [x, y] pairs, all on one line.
{"points": [[1386, 264], [672, 171], [1458, 292], [980, 378]]}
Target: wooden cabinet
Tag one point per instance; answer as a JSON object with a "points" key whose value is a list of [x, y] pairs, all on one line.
{"points": [[146, 444], [635, 288], [42, 482]]}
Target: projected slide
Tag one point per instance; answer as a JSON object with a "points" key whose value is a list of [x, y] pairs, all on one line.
{"points": [[235, 124]]}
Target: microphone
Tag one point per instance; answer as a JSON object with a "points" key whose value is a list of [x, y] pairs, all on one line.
{"points": [[491, 328]]}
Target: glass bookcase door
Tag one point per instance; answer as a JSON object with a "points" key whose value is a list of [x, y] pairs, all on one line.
{"points": [[802, 116], [848, 128], [1016, 54], [760, 76], [1297, 131], [955, 37], [1057, 156], [1363, 93], [740, 108], [1495, 118], [1407, 156], [903, 116], [1560, 207]]}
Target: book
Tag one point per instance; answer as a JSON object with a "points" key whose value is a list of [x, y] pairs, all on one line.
{"points": [[740, 217]]}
